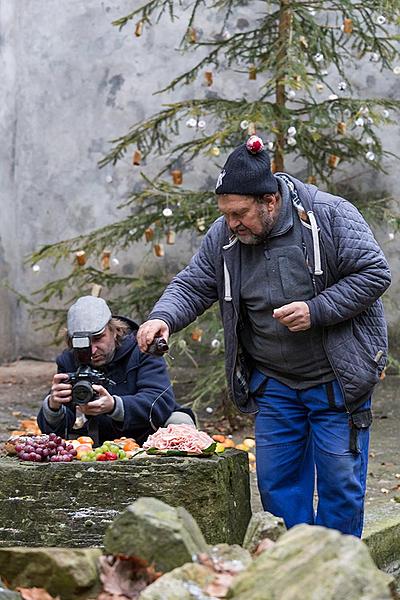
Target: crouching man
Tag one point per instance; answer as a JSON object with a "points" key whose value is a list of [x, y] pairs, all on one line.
{"points": [[105, 386]]}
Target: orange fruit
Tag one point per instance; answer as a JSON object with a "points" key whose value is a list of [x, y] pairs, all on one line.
{"points": [[218, 438], [228, 443], [130, 445], [84, 439]]}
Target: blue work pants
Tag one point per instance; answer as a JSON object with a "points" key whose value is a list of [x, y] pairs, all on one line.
{"points": [[302, 437]]}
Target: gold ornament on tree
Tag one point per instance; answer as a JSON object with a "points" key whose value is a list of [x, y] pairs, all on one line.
{"points": [[333, 161], [80, 257], [177, 176], [136, 158], [96, 290], [158, 250], [341, 128], [149, 234], [201, 224], [196, 334], [347, 26], [312, 179], [208, 76], [252, 72], [105, 259], [139, 28], [192, 35], [170, 237]]}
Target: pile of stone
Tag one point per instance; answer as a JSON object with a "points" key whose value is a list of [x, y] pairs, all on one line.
{"points": [[303, 563]]}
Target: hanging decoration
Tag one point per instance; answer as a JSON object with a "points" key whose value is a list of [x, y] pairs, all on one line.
{"points": [[192, 35], [80, 257], [96, 290], [312, 179], [170, 237], [192, 122], [341, 128], [149, 234], [333, 161], [167, 212], [252, 72], [136, 158], [158, 250], [215, 151], [36, 268], [347, 25], [105, 259], [177, 176], [208, 76], [139, 28], [196, 334], [201, 224]]}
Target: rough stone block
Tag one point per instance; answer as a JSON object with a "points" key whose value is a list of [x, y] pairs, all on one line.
{"points": [[313, 562], [262, 525], [72, 504], [161, 534], [71, 573]]}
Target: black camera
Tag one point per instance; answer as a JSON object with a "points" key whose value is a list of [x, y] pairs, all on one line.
{"points": [[84, 377]]}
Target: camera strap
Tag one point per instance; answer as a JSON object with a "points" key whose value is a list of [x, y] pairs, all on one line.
{"points": [[93, 430], [152, 405]]}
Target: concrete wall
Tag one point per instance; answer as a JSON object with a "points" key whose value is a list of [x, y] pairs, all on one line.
{"points": [[70, 82]]}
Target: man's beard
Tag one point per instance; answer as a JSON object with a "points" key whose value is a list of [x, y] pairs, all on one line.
{"points": [[252, 239]]}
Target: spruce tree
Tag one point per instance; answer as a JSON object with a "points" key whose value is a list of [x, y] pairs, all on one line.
{"points": [[299, 58]]}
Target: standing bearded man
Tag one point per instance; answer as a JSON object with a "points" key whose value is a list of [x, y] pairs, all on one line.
{"points": [[298, 276]]}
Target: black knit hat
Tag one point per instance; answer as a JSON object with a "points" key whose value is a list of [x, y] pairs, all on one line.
{"points": [[247, 171]]}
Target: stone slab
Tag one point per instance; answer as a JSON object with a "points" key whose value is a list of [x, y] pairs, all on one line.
{"points": [[71, 504]]}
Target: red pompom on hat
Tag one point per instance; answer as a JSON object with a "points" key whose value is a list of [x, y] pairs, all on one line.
{"points": [[247, 171], [254, 144]]}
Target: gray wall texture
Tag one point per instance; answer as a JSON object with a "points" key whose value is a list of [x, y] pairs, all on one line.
{"points": [[70, 82]]}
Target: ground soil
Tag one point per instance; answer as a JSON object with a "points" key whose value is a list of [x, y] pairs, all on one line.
{"points": [[24, 383]]}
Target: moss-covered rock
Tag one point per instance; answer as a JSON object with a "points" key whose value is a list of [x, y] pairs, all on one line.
{"points": [[71, 504], [263, 526], [165, 536], [70, 573], [313, 562]]}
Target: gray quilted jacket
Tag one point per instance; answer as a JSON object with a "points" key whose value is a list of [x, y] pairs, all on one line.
{"points": [[351, 275]]}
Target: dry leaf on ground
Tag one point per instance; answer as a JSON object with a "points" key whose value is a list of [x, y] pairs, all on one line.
{"points": [[36, 593]]}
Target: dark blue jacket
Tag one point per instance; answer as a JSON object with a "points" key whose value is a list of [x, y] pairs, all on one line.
{"points": [[141, 380], [347, 302]]}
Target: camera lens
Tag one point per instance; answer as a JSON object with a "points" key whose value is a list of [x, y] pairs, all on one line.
{"points": [[82, 392]]}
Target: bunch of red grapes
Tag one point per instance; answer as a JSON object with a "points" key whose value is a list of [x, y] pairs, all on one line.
{"points": [[45, 448]]}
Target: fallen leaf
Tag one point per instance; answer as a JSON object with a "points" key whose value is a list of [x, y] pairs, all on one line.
{"points": [[16, 413], [265, 544], [36, 594], [220, 585], [125, 577]]}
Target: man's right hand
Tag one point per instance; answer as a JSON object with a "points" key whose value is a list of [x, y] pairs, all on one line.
{"points": [[149, 330], [61, 393]]}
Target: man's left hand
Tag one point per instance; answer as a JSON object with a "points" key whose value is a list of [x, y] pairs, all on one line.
{"points": [[295, 316], [102, 404]]}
